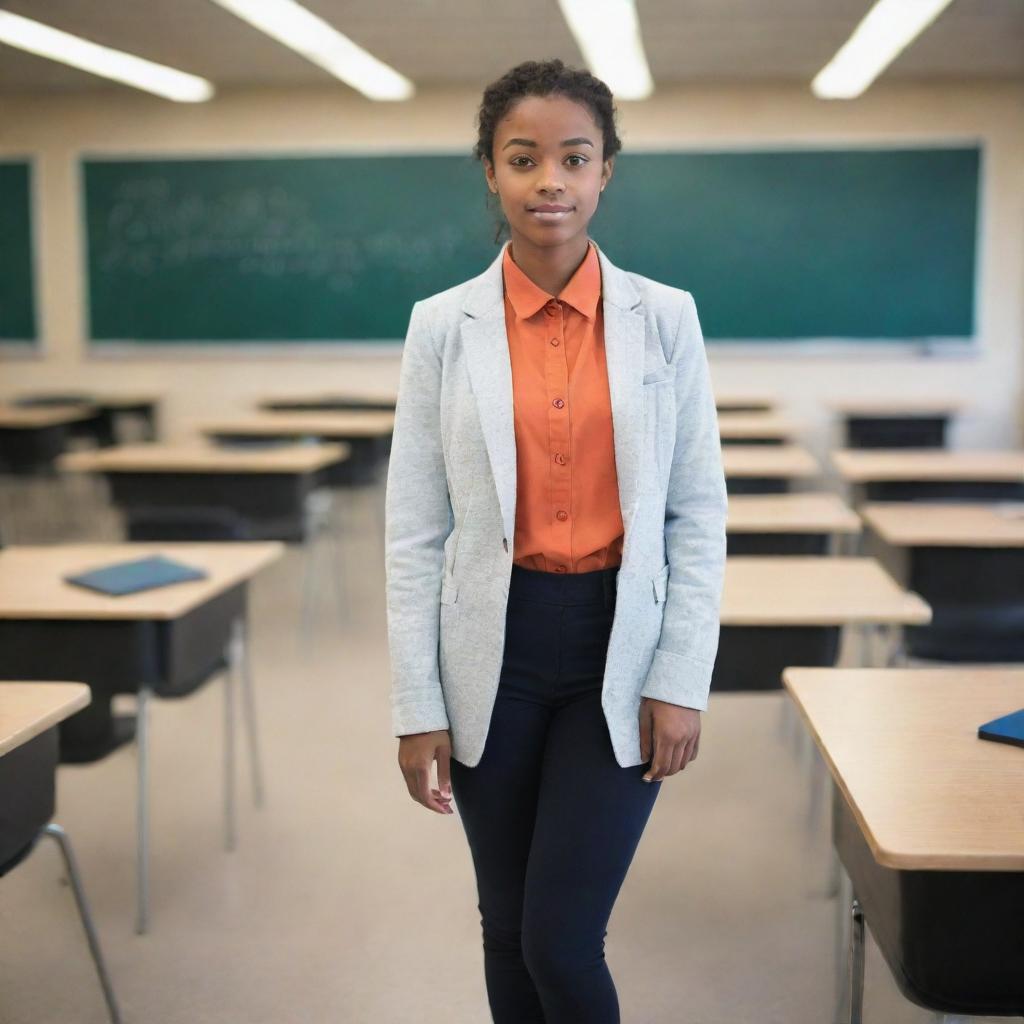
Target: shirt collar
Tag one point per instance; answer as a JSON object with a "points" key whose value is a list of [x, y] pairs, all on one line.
{"points": [[583, 291]]}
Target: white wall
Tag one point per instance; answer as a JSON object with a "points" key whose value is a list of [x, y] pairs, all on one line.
{"points": [[56, 130]]}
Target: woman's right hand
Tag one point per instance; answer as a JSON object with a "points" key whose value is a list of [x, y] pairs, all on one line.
{"points": [[416, 752]]}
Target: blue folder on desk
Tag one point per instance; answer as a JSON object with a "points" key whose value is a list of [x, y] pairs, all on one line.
{"points": [[1008, 729], [140, 574]]}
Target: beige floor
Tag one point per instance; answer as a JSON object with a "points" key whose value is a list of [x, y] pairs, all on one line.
{"points": [[347, 902]]}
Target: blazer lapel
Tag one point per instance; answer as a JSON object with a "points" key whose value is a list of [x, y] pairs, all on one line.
{"points": [[485, 343], [624, 355]]}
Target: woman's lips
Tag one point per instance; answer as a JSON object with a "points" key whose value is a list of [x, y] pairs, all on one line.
{"points": [[549, 214]]}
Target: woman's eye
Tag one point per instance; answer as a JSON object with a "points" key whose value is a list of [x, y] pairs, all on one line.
{"points": [[516, 161], [576, 156]]}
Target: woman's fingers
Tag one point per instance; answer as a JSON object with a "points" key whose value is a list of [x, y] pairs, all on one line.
{"points": [[430, 798]]}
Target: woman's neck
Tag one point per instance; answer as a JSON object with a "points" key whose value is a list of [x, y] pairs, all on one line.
{"points": [[549, 268]]}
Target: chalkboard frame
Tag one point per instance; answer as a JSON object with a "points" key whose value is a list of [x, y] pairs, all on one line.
{"points": [[954, 347], [33, 347]]}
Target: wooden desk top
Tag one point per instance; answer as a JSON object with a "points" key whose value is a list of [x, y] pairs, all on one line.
{"points": [[922, 524], [33, 417], [903, 747], [811, 512], [897, 406], [756, 424], [860, 465], [725, 400], [28, 709], [786, 461], [810, 590], [350, 423], [196, 458], [32, 587]]}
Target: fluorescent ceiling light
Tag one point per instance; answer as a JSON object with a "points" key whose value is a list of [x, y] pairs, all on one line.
{"points": [[887, 29], [33, 36], [608, 35], [301, 30]]}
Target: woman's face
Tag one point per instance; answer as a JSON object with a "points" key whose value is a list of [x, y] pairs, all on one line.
{"points": [[548, 170]]}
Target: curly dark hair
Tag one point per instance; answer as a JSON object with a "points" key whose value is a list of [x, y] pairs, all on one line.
{"points": [[543, 78]]}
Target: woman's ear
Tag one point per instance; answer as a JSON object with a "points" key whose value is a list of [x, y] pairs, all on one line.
{"points": [[606, 171], [492, 183]]}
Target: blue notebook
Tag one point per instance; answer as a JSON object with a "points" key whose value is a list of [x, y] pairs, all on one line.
{"points": [[132, 577], [1008, 729]]}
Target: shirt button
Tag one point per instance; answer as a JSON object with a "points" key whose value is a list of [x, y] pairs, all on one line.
{"points": [[552, 308], [562, 515], [559, 568], [558, 403], [560, 459], [554, 341]]}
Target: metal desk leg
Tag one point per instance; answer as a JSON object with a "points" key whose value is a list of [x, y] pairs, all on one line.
{"points": [[240, 640], [64, 843], [229, 743], [142, 810], [842, 940], [856, 962]]}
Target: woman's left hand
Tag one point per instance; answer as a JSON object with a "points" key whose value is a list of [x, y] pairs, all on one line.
{"points": [[674, 734]]}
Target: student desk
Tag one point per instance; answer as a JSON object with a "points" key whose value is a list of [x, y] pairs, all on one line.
{"points": [[895, 422], [115, 410], [384, 401], [967, 561], [367, 433], [31, 438], [268, 488], [917, 474], [789, 524], [766, 469], [166, 642], [780, 610], [756, 428], [29, 716], [928, 823], [740, 401]]}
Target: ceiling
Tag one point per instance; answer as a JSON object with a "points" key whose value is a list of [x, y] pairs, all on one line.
{"points": [[470, 42]]}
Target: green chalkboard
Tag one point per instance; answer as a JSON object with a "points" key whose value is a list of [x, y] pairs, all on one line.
{"points": [[862, 244], [17, 305]]}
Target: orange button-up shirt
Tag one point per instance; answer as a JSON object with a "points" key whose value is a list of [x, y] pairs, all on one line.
{"points": [[567, 491]]}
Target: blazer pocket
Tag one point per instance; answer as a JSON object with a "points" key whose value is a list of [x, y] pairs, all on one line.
{"points": [[660, 582], [449, 591], [660, 373]]}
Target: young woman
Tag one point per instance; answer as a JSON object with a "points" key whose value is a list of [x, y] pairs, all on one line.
{"points": [[555, 545]]}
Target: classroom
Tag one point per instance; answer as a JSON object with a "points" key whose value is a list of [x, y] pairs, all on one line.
{"points": [[444, 408]]}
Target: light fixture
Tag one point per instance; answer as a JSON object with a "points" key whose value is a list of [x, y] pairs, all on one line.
{"points": [[44, 41], [885, 31], [608, 35], [306, 33]]}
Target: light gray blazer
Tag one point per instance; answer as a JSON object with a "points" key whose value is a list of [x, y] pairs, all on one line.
{"points": [[451, 507]]}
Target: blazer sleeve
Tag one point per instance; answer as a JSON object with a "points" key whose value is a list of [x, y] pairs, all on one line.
{"points": [[418, 519], [695, 515]]}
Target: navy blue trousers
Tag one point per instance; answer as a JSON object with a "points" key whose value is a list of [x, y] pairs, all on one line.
{"points": [[551, 818]]}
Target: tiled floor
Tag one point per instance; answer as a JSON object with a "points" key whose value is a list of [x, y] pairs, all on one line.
{"points": [[347, 902]]}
